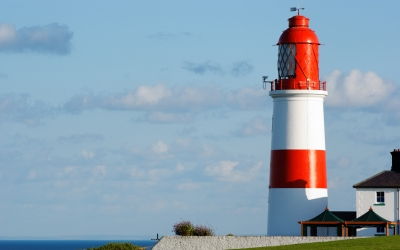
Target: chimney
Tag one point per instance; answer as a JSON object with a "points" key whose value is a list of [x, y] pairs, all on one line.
{"points": [[395, 160]]}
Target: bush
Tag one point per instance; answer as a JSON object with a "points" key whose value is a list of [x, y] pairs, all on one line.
{"points": [[184, 228], [117, 246], [202, 231]]}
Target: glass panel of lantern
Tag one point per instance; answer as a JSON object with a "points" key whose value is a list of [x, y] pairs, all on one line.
{"points": [[286, 60]]}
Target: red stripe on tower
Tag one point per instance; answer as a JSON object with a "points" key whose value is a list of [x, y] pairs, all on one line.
{"points": [[298, 183], [298, 169]]}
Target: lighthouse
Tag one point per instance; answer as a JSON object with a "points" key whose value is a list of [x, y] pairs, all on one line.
{"points": [[298, 184]]}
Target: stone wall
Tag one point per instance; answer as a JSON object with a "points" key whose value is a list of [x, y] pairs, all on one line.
{"points": [[229, 242]]}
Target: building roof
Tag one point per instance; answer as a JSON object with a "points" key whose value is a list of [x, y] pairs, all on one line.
{"points": [[345, 215], [370, 216], [326, 216], [384, 179]]}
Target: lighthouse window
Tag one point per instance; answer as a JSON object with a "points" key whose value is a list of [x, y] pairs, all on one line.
{"points": [[286, 60], [380, 197]]}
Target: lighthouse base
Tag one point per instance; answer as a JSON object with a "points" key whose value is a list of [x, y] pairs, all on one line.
{"points": [[288, 206]]}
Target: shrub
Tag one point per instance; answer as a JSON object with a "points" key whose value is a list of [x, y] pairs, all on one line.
{"points": [[184, 228], [230, 234], [117, 246], [202, 231]]}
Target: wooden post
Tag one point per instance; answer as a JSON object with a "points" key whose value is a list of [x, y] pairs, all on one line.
{"points": [[301, 229], [305, 230], [387, 228]]}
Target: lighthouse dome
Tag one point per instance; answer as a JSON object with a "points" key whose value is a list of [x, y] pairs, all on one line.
{"points": [[298, 32]]}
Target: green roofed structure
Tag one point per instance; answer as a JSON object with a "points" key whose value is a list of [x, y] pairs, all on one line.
{"points": [[327, 220], [370, 216], [325, 223], [372, 219], [327, 215]]}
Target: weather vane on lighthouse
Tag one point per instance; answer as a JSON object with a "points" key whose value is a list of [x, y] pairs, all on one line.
{"points": [[296, 9], [298, 183]]}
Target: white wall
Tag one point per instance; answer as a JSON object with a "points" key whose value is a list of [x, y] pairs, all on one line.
{"points": [[288, 206], [366, 198], [229, 242]]}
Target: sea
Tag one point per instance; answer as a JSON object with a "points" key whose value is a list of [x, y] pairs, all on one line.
{"points": [[66, 244]]}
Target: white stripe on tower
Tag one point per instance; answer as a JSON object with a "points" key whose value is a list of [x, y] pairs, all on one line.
{"points": [[298, 119]]}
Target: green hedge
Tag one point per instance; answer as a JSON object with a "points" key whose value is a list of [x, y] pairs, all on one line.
{"points": [[117, 246]]}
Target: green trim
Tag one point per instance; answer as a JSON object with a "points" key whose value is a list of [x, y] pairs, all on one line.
{"points": [[379, 204]]}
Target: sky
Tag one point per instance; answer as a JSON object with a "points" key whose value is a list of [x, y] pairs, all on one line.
{"points": [[122, 118]]}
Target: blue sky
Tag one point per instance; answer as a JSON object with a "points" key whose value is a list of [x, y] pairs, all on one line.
{"points": [[121, 119]]}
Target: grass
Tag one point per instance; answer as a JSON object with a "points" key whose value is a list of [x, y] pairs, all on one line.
{"points": [[373, 243], [118, 246]]}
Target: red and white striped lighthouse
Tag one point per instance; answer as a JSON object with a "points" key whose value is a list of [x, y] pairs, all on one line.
{"points": [[298, 184]]}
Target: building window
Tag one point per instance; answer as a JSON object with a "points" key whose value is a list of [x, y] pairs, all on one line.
{"points": [[380, 230], [380, 197]]}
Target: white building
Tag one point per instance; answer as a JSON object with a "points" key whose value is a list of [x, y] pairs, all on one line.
{"points": [[381, 193]]}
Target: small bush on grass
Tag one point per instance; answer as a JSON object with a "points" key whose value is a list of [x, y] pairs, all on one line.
{"points": [[202, 231], [117, 246], [184, 228]]}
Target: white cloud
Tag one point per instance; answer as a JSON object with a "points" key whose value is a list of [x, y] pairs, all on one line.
{"points": [[99, 171], [144, 96], [137, 173], [180, 167], [189, 185], [32, 175], [229, 171], [166, 117], [160, 147], [87, 154], [52, 38], [21, 108], [256, 126], [171, 104], [241, 68], [81, 138], [203, 67], [68, 171], [158, 173], [7, 33], [247, 98], [207, 150], [357, 89], [155, 98]]}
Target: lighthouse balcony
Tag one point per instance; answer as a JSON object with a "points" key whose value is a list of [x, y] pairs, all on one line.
{"points": [[284, 84]]}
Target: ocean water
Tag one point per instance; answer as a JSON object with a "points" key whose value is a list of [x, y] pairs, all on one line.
{"points": [[65, 244]]}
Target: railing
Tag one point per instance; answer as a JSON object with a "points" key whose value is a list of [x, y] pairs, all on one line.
{"points": [[284, 84]]}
